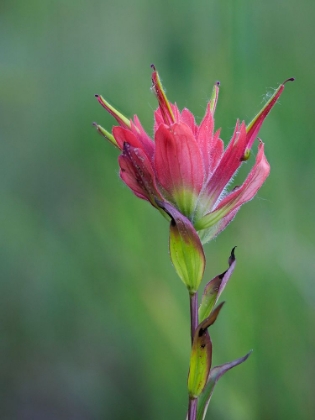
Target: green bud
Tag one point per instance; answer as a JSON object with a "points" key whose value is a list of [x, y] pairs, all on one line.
{"points": [[186, 252]]}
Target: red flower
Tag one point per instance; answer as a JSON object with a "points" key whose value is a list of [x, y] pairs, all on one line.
{"points": [[186, 167]]}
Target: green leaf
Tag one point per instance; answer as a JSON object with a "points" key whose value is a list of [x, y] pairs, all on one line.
{"points": [[214, 289], [201, 356], [186, 250], [214, 376]]}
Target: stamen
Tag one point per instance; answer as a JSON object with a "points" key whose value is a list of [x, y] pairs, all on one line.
{"points": [[165, 106], [120, 118], [214, 96], [289, 80], [108, 136]]}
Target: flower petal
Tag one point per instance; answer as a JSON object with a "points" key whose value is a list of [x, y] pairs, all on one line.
{"points": [[249, 188], [254, 126], [188, 118], [213, 231], [210, 144], [123, 135], [136, 171], [205, 136], [143, 137], [129, 176], [159, 119], [228, 165], [179, 165], [232, 202], [217, 152]]}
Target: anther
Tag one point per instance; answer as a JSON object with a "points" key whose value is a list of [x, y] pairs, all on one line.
{"points": [[289, 80]]}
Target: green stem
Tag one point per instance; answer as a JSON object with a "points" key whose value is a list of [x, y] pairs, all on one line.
{"points": [[193, 314], [192, 405]]}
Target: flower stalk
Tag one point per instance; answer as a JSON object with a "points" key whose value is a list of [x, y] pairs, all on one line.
{"points": [[192, 409], [192, 402], [193, 314]]}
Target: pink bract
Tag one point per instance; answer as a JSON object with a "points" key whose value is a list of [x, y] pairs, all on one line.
{"points": [[185, 166]]}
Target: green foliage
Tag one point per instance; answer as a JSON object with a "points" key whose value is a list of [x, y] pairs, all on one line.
{"points": [[214, 288], [201, 355], [94, 322], [186, 251], [214, 375]]}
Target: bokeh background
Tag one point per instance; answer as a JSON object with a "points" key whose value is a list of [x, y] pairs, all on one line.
{"points": [[94, 321]]}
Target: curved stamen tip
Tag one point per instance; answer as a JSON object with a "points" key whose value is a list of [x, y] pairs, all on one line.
{"points": [[95, 124], [289, 80], [232, 256], [96, 95], [153, 67]]}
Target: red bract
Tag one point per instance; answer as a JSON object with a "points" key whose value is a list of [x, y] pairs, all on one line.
{"points": [[186, 167]]}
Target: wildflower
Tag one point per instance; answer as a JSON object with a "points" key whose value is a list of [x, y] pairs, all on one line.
{"points": [[185, 168], [184, 173]]}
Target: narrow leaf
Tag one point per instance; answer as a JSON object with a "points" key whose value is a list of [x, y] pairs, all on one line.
{"points": [[200, 364], [214, 376], [201, 356], [214, 289]]}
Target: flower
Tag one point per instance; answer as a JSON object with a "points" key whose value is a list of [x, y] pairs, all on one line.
{"points": [[186, 169]]}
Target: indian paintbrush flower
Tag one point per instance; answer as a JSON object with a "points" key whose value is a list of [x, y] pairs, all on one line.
{"points": [[184, 173], [185, 167]]}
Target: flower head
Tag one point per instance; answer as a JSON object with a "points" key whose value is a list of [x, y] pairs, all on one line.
{"points": [[185, 168]]}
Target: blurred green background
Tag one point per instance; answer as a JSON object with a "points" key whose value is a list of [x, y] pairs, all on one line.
{"points": [[94, 321]]}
